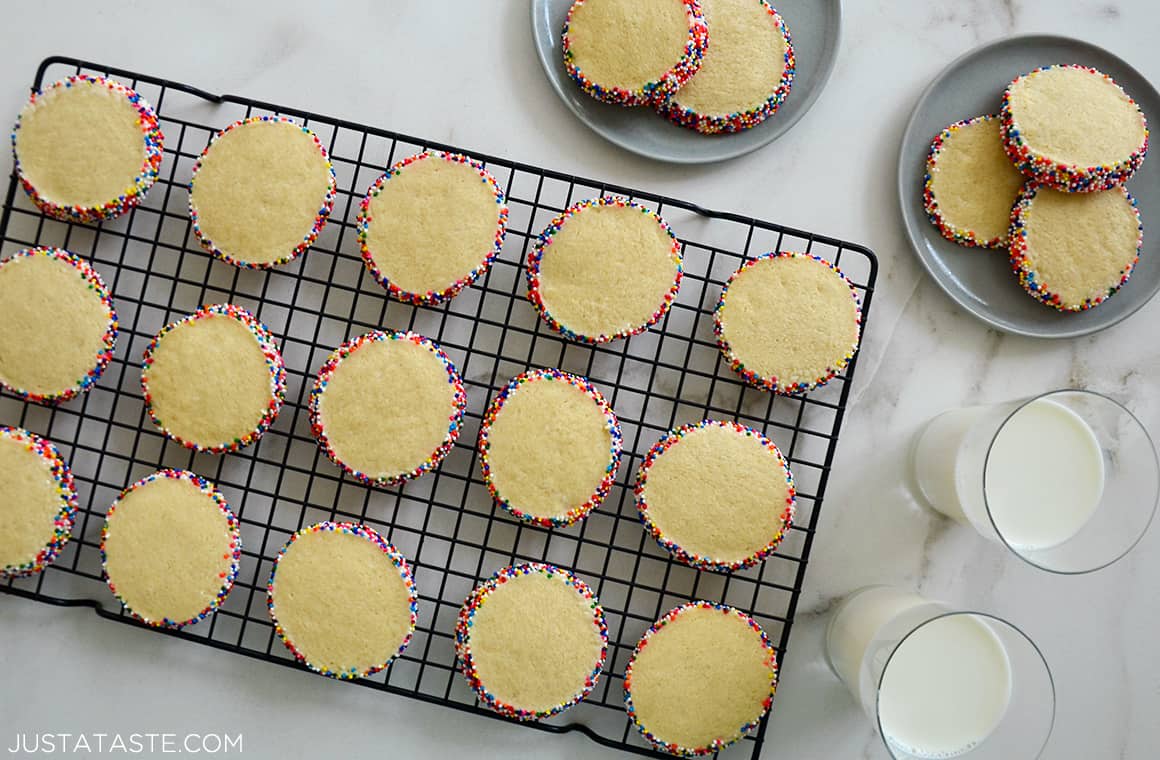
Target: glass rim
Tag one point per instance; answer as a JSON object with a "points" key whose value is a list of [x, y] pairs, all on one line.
{"points": [[987, 460], [972, 613]]}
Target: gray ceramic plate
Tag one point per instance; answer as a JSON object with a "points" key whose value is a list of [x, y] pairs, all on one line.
{"points": [[814, 26], [979, 280]]}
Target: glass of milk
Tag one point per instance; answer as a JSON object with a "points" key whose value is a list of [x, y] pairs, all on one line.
{"points": [[941, 683], [1067, 480]]}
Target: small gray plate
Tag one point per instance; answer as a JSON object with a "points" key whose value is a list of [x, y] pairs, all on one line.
{"points": [[815, 27], [980, 280]]}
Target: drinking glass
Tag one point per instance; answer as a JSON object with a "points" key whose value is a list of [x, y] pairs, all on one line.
{"points": [[1067, 480], [939, 682]]}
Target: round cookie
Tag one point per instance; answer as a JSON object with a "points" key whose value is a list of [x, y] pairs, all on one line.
{"points": [[531, 641], [970, 185], [170, 548], [387, 406], [717, 495], [746, 74], [788, 322], [604, 269], [342, 599], [701, 677], [633, 52], [86, 148], [39, 504], [1074, 251], [549, 447], [261, 192], [59, 325], [1073, 128], [431, 225], [214, 381]]}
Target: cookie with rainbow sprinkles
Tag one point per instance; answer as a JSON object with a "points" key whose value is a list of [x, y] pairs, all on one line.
{"points": [[214, 381], [86, 148], [1073, 251], [431, 225], [261, 192], [747, 73], [342, 599], [39, 503], [716, 495], [549, 447], [387, 406], [531, 641], [700, 678], [170, 548], [788, 322], [633, 52], [57, 325], [970, 185], [1073, 128], [605, 268]]}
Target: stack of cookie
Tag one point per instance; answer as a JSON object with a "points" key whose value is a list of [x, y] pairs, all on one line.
{"points": [[1044, 179], [716, 66]]}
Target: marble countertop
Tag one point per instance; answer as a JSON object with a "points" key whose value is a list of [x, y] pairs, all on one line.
{"points": [[465, 73]]}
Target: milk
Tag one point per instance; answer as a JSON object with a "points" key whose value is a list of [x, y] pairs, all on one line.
{"points": [[944, 689], [1042, 481]]}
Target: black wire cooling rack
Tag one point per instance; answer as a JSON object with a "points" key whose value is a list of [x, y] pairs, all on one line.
{"points": [[444, 522]]}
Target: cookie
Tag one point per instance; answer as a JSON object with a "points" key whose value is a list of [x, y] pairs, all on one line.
{"points": [[716, 495], [970, 185], [1073, 251], [549, 447], [86, 148], [39, 504], [170, 548], [261, 192], [343, 600], [59, 325], [214, 381], [747, 72], [633, 52], [604, 269], [431, 225], [788, 322], [531, 641], [387, 407], [1073, 128], [702, 677]]}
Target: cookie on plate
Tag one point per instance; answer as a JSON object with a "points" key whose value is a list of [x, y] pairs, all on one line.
{"points": [[633, 52], [700, 679], [747, 72], [1073, 251], [788, 322], [214, 381], [170, 548], [39, 504], [970, 185], [343, 600], [549, 447], [717, 495], [387, 406], [431, 225], [261, 192], [1073, 128], [604, 269], [531, 641], [57, 325], [86, 148]]}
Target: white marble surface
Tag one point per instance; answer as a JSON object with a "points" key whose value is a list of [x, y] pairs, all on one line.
{"points": [[464, 72]]}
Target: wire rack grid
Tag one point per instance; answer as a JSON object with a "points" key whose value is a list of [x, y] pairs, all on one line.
{"points": [[444, 522]]}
